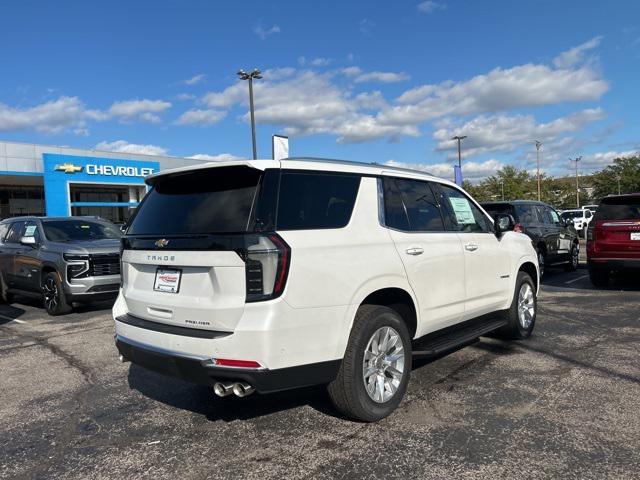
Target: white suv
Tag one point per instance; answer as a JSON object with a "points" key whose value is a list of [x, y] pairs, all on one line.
{"points": [[270, 275]]}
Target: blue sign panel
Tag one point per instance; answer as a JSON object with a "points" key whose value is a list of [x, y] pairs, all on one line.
{"points": [[61, 170]]}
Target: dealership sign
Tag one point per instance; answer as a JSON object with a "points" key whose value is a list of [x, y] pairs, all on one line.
{"points": [[106, 170]]}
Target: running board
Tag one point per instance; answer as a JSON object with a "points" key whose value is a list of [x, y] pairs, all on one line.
{"points": [[437, 343]]}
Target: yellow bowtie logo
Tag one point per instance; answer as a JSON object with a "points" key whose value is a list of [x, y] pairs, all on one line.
{"points": [[68, 168]]}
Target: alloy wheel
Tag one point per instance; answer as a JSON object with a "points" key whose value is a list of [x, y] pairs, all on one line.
{"points": [[50, 291], [541, 263], [383, 364], [526, 306]]}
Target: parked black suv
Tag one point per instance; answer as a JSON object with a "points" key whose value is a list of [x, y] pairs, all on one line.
{"points": [[61, 260], [555, 240]]}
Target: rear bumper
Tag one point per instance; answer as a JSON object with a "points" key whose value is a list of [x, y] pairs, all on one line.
{"points": [[614, 263], [196, 370]]}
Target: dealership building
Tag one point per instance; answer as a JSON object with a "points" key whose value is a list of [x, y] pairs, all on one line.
{"points": [[62, 181]]}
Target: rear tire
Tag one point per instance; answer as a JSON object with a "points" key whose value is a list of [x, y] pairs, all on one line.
{"points": [[542, 261], [53, 296], [522, 313], [5, 295], [599, 277], [574, 259], [370, 385]]}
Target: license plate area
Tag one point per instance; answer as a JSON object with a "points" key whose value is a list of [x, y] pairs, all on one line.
{"points": [[167, 280], [635, 235]]}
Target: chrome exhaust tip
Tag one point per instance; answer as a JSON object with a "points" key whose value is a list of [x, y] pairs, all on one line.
{"points": [[122, 359], [222, 389], [242, 389]]}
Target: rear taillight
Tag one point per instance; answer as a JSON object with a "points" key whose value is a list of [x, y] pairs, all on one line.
{"points": [[518, 228], [267, 259]]}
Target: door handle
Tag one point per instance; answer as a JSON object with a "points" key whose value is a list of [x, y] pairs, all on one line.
{"points": [[471, 247], [414, 251]]}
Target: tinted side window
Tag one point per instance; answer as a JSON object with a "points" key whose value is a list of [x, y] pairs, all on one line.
{"points": [[395, 214], [543, 216], [553, 215], [421, 206], [4, 228], [15, 232], [526, 214], [309, 201], [463, 215]]}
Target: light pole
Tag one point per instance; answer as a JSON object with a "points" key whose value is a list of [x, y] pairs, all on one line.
{"points": [[538, 145], [459, 139], [618, 179], [577, 159], [502, 189], [250, 76]]}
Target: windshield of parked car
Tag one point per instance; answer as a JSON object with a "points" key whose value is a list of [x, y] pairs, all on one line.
{"points": [[619, 208], [571, 215], [79, 230]]}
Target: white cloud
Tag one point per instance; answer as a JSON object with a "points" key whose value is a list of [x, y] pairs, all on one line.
{"points": [[602, 159], [201, 117], [195, 79], [51, 117], [359, 76], [139, 110], [383, 77], [263, 33], [430, 6], [215, 158], [522, 86], [314, 62], [185, 96], [122, 146], [575, 55], [503, 133], [471, 171]]}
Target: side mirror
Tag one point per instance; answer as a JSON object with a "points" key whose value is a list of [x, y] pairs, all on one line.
{"points": [[503, 222], [28, 241]]}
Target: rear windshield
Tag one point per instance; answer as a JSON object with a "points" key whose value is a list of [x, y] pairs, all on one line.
{"points": [[215, 200], [619, 208], [79, 230]]}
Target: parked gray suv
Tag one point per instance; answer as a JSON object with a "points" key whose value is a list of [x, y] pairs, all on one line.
{"points": [[59, 259]]}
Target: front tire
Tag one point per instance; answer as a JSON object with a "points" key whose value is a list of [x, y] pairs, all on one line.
{"points": [[53, 296], [375, 371], [521, 315]]}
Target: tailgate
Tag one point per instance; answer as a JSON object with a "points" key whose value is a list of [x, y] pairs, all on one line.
{"points": [[621, 236], [210, 288]]}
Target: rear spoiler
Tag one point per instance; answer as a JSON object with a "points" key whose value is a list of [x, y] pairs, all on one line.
{"points": [[257, 164]]}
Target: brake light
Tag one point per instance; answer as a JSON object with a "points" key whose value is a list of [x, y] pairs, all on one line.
{"points": [[267, 261], [518, 228]]}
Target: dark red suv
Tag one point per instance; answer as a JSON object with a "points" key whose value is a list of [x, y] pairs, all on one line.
{"points": [[613, 237]]}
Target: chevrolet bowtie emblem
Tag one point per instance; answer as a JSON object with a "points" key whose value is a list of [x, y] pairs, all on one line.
{"points": [[68, 168], [162, 243]]}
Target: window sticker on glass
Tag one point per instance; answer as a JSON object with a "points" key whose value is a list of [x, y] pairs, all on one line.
{"points": [[462, 209], [30, 231]]}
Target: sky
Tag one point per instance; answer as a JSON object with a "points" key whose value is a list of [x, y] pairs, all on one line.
{"points": [[372, 81]]}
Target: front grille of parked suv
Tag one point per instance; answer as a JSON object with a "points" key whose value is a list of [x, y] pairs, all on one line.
{"points": [[104, 264]]}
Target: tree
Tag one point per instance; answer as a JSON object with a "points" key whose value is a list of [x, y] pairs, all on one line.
{"points": [[624, 172]]}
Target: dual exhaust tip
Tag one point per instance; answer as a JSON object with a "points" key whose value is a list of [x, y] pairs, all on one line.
{"points": [[239, 389]]}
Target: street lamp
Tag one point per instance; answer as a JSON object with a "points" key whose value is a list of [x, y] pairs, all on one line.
{"points": [[538, 145], [459, 139], [250, 76], [577, 159]]}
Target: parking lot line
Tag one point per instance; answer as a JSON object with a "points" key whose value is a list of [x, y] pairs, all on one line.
{"points": [[576, 279]]}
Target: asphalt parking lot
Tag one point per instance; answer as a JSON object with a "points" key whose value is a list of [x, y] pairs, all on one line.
{"points": [[564, 404]]}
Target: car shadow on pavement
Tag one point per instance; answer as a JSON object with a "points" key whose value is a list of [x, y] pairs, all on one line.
{"points": [[8, 313], [579, 280], [201, 400]]}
